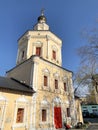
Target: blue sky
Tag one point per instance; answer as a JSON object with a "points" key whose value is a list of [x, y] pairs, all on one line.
{"points": [[66, 18]]}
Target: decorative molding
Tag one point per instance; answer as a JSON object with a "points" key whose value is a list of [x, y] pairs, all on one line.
{"points": [[45, 71], [22, 99], [57, 90]]}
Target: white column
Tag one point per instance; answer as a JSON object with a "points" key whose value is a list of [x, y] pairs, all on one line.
{"points": [[60, 56], [17, 59], [47, 55], [34, 110], [28, 47], [3, 116], [34, 74], [31, 115]]}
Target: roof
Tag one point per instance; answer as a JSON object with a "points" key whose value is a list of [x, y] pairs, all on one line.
{"points": [[13, 84], [41, 59]]}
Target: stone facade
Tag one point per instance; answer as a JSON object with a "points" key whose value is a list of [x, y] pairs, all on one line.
{"points": [[10, 103], [39, 65]]}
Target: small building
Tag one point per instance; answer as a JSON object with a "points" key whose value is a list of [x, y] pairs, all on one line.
{"points": [[15, 104], [89, 110]]}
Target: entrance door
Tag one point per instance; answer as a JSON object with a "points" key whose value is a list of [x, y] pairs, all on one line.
{"points": [[57, 117]]}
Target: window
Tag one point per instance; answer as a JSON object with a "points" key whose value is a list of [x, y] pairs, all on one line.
{"points": [[94, 107], [54, 55], [64, 86], [84, 107], [45, 81], [56, 84], [44, 111], [20, 115], [38, 51], [44, 115], [23, 54], [68, 112]]}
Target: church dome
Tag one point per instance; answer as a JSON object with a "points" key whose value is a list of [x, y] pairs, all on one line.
{"points": [[42, 18]]}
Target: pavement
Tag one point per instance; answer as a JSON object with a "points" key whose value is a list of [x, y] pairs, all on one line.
{"points": [[93, 126], [91, 120], [93, 123]]}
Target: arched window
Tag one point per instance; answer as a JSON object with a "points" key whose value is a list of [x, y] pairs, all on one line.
{"points": [[54, 53], [65, 84], [38, 48], [45, 107], [46, 76], [56, 82]]}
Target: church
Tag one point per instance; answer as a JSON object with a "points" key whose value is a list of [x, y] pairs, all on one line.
{"points": [[38, 94]]}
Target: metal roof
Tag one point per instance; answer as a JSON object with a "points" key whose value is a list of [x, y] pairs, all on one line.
{"points": [[13, 84]]}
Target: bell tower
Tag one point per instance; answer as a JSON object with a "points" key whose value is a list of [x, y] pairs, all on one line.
{"points": [[40, 42]]}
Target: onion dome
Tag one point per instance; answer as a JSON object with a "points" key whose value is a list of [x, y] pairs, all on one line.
{"points": [[42, 18]]}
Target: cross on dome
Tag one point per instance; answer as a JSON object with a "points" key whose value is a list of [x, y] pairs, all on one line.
{"points": [[42, 11]]}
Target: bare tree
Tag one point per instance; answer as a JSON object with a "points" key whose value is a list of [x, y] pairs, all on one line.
{"points": [[88, 61]]}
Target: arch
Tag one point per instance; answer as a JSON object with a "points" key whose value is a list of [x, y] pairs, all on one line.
{"points": [[54, 48], [46, 71], [2, 98], [38, 44], [56, 75], [44, 102], [22, 99], [57, 100]]}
